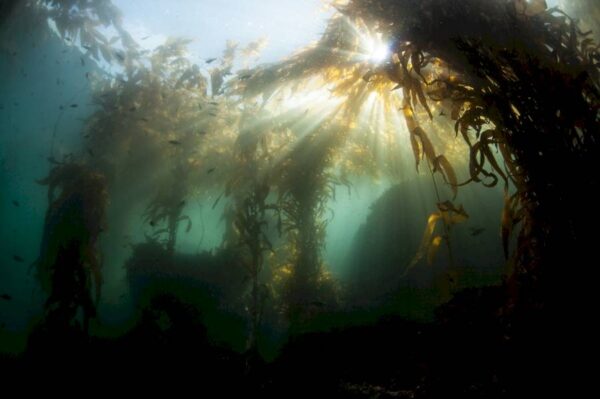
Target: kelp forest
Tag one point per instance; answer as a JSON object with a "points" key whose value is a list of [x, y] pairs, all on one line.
{"points": [[330, 198]]}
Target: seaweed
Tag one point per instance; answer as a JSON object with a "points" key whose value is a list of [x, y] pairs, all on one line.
{"points": [[304, 184], [247, 235], [528, 86], [69, 267]]}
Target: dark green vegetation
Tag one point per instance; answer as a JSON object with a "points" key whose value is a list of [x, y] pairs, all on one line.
{"points": [[501, 95]]}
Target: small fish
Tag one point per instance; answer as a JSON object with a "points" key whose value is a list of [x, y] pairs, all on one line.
{"points": [[6, 297], [202, 132], [132, 109], [145, 37], [442, 113], [68, 39], [213, 103], [475, 231], [86, 47], [74, 105], [53, 160], [209, 60], [212, 114], [210, 171], [90, 152], [246, 76], [144, 119], [82, 61], [15, 203], [14, 53], [17, 258], [175, 142], [87, 75], [120, 56], [182, 203], [61, 107], [152, 223]]}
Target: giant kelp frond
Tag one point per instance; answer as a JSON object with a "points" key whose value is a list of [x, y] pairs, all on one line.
{"points": [[83, 22], [68, 267], [158, 117], [450, 215]]}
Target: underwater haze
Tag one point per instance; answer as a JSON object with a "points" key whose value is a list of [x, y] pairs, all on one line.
{"points": [[374, 195]]}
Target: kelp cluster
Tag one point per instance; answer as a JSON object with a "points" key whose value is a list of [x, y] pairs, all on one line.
{"points": [[305, 185], [248, 224], [526, 84], [69, 266]]}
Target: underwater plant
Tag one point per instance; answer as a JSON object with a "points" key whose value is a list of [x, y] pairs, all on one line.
{"points": [[158, 134], [516, 82], [528, 85], [305, 184], [69, 266], [168, 205]]}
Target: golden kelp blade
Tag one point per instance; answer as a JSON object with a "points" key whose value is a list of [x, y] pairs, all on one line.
{"points": [[428, 150], [433, 249], [451, 214], [442, 165], [426, 241]]}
